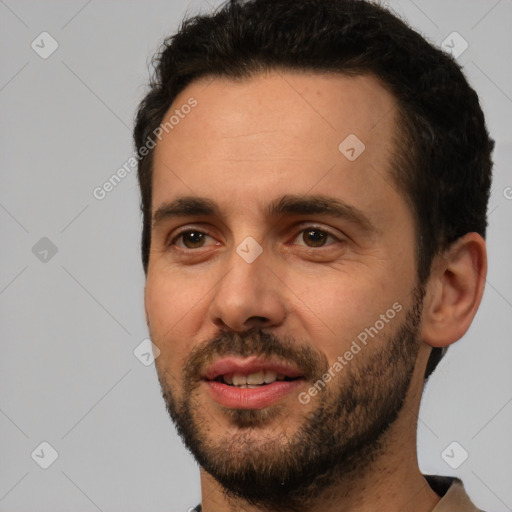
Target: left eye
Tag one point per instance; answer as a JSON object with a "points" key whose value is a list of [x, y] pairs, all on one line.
{"points": [[313, 237]]}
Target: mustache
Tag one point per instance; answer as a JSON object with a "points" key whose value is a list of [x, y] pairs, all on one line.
{"points": [[254, 342]]}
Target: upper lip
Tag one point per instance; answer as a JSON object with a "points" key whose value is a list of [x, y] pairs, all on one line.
{"points": [[248, 365]]}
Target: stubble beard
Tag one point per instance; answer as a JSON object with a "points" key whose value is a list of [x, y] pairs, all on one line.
{"points": [[338, 438]]}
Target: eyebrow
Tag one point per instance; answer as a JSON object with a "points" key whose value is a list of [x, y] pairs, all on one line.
{"points": [[188, 206], [192, 206]]}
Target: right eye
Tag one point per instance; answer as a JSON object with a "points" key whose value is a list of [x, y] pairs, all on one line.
{"points": [[190, 239]]}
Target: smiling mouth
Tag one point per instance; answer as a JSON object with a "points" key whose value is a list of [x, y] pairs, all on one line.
{"points": [[250, 382], [253, 380]]}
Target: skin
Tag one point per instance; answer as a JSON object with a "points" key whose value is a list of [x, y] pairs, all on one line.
{"points": [[245, 144]]}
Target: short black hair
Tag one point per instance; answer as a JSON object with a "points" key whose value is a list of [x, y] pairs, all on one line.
{"points": [[444, 169]]}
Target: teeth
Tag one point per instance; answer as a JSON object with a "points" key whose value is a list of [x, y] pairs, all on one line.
{"points": [[239, 380], [270, 377], [252, 380], [256, 378]]}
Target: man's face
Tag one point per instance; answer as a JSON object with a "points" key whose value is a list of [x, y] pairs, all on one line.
{"points": [[276, 283]]}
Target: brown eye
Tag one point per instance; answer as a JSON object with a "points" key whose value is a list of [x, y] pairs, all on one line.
{"points": [[192, 239], [314, 237]]}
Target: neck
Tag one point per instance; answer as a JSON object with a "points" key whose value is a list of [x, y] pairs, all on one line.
{"points": [[393, 482], [396, 491]]}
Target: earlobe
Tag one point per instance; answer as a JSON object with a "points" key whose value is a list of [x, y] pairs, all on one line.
{"points": [[454, 291]]}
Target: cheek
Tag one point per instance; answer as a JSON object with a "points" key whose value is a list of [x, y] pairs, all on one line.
{"points": [[339, 307], [174, 312]]}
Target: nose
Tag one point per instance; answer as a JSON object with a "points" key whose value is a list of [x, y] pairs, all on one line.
{"points": [[248, 295]]}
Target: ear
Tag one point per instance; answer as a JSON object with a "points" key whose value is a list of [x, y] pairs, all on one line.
{"points": [[454, 291]]}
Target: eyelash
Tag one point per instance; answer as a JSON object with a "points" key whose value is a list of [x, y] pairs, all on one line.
{"points": [[172, 243]]}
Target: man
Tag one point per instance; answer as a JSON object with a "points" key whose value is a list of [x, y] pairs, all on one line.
{"points": [[314, 179]]}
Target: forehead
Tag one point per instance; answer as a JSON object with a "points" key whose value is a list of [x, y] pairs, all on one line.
{"points": [[278, 132]]}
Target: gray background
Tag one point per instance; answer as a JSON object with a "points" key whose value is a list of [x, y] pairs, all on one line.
{"points": [[71, 321]]}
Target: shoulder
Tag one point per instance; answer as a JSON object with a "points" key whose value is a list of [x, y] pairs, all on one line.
{"points": [[452, 493]]}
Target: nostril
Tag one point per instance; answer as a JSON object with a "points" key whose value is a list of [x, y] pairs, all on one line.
{"points": [[261, 319]]}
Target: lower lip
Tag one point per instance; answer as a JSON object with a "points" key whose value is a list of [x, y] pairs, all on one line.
{"points": [[251, 398]]}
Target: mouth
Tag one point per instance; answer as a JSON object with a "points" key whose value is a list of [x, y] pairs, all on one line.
{"points": [[250, 383], [253, 380]]}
